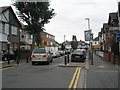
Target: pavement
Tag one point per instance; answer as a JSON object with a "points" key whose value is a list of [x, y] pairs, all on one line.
{"points": [[84, 64], [4, 64], [101, 74]]}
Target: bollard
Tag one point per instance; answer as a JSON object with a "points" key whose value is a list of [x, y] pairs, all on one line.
{"points": [[91, 57], [65, 59], [17, 60], [68, 58], [8, 61], [27, 59]]}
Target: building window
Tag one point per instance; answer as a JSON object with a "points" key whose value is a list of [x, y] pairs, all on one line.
{"points": [[14, 30], [3, 27]]}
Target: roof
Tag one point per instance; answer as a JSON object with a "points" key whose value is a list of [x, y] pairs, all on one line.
{"points": [[47, 33], [2, 9], [105, 25], [112, 16], [96, 39]]}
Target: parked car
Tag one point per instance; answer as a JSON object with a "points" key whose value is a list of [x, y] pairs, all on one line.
{"points": [[61, 52], [8, 56], [41, 55], [78, 56], [55, 54]]}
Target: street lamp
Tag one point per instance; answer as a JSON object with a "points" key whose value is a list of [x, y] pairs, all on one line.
{"points": [[90, 51], [89, 29], [88, 22]]}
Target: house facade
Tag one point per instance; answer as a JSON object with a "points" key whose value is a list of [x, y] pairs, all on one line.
{"points": [[96, 44], [47, 39], [107, 38], [9, 29], [25, 39]]}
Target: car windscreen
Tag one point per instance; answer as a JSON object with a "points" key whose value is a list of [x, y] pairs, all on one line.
{"points": [[77, 52], [39, 51]]}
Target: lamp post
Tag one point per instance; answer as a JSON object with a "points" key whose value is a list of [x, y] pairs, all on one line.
{"points": [[90, 51], [88, 22]]}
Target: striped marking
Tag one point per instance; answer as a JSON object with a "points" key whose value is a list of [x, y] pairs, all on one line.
{"points": [[75, 79]]}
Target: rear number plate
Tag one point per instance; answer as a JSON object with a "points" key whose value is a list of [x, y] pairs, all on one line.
{"points": [[77, 56]]}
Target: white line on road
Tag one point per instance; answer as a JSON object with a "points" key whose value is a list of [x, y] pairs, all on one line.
{"points": [[85, 79]]}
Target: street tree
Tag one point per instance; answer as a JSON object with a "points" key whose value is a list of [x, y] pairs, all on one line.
{"points": [[74, 42], [36, 15]]}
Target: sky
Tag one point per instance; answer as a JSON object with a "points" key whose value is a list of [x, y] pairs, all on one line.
{"points": [[71, 14]]}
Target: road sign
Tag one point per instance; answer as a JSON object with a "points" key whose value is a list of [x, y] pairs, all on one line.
{"points": [[118, 36], [87, 35], [91, 36]]}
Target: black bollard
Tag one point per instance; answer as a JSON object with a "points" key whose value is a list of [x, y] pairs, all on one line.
{"points": [[27, 59], [68, 58], [17, 61], [65, 59], [91, 57], [8, 61]]}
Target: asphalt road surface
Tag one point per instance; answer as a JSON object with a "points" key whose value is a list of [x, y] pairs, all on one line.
{"points": [[38, 76]]}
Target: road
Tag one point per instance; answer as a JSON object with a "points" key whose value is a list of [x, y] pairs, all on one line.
{"points": [[99, 75], [38, 76]]}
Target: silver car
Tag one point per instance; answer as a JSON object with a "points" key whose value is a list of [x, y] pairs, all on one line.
{"points": [[41, 55]]}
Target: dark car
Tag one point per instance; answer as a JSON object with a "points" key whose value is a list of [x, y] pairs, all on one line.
{"points": [[78, 56], [8, 56]]}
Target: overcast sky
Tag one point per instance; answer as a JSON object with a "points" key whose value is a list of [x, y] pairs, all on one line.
{"points": [[71, 14]]}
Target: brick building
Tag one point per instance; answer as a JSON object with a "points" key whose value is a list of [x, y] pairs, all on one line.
{"points": [[47, 39], [108, 38]]}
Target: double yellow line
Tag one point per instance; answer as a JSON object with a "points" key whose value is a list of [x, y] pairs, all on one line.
{"points": [[3, 68], [74, 81]]}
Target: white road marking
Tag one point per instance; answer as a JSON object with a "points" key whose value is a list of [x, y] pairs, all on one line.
{"points": [[85, 79]]}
